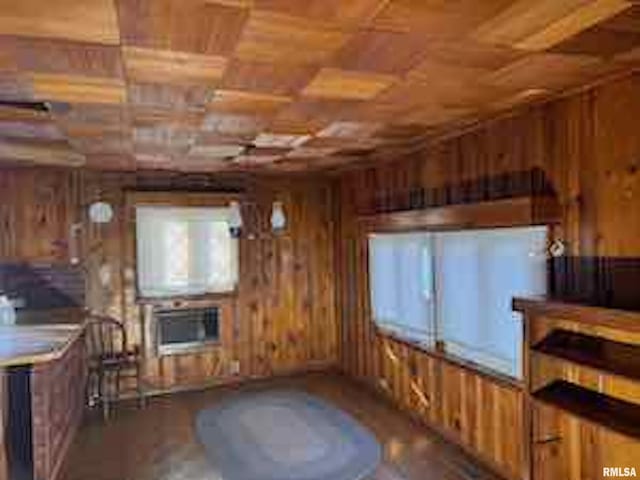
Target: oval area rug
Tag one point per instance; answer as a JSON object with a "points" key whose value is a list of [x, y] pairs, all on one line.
{"points": [[285, 435]]}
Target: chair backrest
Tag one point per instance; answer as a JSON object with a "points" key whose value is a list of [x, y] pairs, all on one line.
{"points": [[104, 336]]}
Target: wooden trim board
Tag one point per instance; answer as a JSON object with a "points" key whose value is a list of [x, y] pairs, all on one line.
{"points": [[511, 212], [591, 315]]}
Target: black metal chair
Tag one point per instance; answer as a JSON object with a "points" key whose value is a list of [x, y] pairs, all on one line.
{"points": [[110, 361]]}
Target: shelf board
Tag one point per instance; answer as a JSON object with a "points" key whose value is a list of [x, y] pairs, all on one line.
{"points": [[606, 355], [612, 413], [535, 308]]}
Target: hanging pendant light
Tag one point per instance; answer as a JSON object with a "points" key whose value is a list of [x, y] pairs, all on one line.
{"points": [[235, 219], [278, 218]]}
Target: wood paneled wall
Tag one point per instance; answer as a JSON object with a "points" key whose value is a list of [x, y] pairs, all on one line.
{"points": [[37, 209], [588, 148], [284, 311]]}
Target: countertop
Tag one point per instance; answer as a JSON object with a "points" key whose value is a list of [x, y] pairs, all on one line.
{"points": [[32, 344], [51, 316]]}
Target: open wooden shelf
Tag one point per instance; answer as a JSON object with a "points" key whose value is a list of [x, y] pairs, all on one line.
{"points": [[617, 415], [596, 352], [543, 308]]}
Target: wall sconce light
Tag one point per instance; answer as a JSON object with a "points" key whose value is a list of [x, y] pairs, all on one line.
{"points": [[100, 212], [75, 230], [278, 218], [235, 219]]}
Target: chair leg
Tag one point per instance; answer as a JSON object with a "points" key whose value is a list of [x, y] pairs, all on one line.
{"points": [[96, 388], [141, 399], [104, 395], [116, 393], [88, 390]]}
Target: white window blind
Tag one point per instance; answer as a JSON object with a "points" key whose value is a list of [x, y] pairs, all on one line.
{"points": [[456, 288], [185, 251], [402, 284], [478, 273]]}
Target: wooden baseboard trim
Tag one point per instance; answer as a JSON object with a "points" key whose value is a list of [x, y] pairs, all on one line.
{"points": [[235, 380]]}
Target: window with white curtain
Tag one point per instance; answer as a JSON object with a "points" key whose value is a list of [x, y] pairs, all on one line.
{"points": [[185, 251], [478, 272], [401, 284], [458, 289]]}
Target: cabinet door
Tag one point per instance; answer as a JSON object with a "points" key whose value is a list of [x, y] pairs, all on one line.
{"points": [[619, 451], [569, 448], [547, 443], [3, 421]]}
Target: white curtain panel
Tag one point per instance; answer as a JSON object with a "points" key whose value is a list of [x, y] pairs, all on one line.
{"points": [[185, 251]]}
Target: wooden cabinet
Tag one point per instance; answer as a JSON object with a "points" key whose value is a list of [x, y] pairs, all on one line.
{"points": [[57, 403], [567, 447], [43, 399], [3, 422], [547, 442], [582, 375]]}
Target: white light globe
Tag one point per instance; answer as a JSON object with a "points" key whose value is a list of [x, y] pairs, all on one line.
{"points": [[100, 212]]}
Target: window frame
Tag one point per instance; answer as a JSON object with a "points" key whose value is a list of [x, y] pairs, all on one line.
{"points": [[137, 198], [431, 332], [517, 212], [443, 344]]}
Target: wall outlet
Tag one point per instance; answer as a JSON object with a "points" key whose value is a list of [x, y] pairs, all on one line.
{"points": [[234, 367]]}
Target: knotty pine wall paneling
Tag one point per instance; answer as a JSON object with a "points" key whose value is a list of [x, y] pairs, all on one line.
{"points": [[586, 150], [37, 209], [284, 312]]}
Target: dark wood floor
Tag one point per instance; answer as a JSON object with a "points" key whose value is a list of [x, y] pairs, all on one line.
{"points": [[158, 442]]}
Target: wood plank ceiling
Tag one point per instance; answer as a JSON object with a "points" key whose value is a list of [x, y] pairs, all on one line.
{"points": [[284, 85]]}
